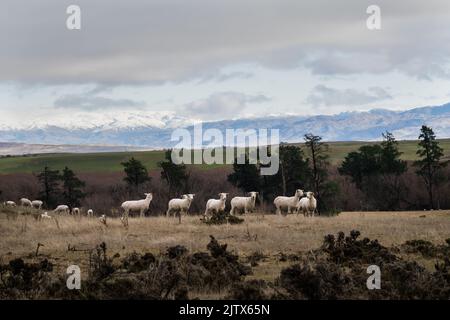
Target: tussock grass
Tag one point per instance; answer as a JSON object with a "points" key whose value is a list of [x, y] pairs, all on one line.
{"points": [[268, 234]]}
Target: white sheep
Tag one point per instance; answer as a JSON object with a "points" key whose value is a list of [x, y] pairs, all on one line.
{"points": [[307, 205], [45, 216], [24, 202], [288, 203], [136, 205], [37, 204], [10, 204], [216, 206], [245, 204], [180, 206], [62, 209], [90, 213], [76, 211], [102, 219]]}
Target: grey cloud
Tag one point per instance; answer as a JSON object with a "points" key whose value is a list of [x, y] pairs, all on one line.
{"points": [[156, 41], [222, 77], [223, 105], [91, 102], [325, 96]]}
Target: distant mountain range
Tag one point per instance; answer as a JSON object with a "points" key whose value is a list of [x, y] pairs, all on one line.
{"points": [[154, 130], [12, 148]]}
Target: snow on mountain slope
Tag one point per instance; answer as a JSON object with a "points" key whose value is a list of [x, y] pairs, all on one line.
{"points": [[154, 129]]}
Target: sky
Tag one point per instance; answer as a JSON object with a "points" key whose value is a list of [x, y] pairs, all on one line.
{"points": [[213, 60]]}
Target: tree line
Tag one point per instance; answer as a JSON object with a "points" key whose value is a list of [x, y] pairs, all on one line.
{"points": [[376, 170]]}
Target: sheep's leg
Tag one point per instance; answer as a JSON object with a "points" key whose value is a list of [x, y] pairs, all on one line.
{"points": [[168, 212], [278, 211], [125, 218], [179, 216]]}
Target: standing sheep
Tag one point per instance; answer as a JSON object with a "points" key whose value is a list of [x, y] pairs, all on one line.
{"points": [[245, 204], [216, 206], [288, 203], [24, 202], [136, 205], [37, 204], [45, 216], [180, 206], [10, 204], [102, 219], [308, 204], [76, 211], [62, 209], [90, 213]]}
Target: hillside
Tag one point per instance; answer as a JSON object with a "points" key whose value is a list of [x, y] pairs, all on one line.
{"points": [[134, 130], [110, 162]]}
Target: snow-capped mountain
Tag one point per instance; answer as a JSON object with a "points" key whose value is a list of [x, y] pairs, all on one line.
{"points": [[153, 130]]}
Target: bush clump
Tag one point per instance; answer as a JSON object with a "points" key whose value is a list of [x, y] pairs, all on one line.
{"points": [[223, 218]]}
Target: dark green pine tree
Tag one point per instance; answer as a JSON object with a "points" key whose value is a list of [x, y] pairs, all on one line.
{"points": [[245, 176], [72, 188], [136, 174], [429, 164], [49, 186], [175, 175], [326, 191]]}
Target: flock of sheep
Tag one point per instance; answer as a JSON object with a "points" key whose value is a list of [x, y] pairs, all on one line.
{"points": [[302, 202]]}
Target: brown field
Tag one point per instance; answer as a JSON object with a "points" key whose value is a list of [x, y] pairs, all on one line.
{"points": [[267, 234]]}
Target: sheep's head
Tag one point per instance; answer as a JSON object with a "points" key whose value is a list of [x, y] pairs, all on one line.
{"points": [[148, 196], [253, 194], [223, 195], [309, 194], [189, 196], [299, 193]]}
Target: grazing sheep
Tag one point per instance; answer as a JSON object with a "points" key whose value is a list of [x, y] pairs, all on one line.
{"points": [[37, 204], [307, 205], [10, 204], [45, 216], [245, 204], [62, 209], [180, 206], [24, 202], [216, 206], [76, 211], [90, 213], [288, 203], [136, 205], [102, 219]]}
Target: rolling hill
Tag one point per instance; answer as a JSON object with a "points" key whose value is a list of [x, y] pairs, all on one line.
{"points": [[110, 161]]}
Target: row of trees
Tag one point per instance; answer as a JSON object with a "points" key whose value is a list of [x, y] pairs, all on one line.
{"points": [[377, 170], [65, 187], [298, 169], [59, 187], [176, 176]]}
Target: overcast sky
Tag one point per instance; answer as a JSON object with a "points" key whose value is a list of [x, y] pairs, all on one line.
{"points": [[215, 60]]}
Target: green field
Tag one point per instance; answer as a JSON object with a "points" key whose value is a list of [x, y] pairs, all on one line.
{"points": [[110, 162]]}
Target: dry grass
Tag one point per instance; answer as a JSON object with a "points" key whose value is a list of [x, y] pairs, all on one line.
{"points": [[268, 234]]}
